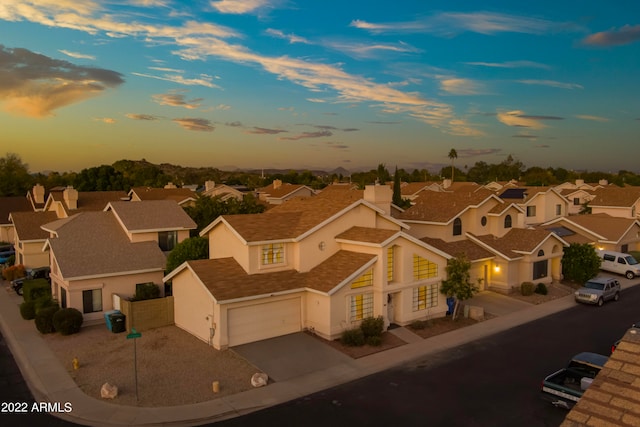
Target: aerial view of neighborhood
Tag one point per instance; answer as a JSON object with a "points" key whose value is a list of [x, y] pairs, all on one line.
{"points": [[241, 212]]}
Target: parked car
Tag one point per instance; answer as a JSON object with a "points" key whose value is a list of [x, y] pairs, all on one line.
{"points": [[621, 263], [598, 290], [5, 255], [32, 273]]}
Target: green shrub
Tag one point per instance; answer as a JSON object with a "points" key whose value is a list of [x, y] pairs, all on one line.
{"points": [[146, 291], [43, 302], [372, 326], [353, 337], [28, 310], [67, 321], [541, 289], [35, 289], [374, 340], [44, 319], [527, 288]]}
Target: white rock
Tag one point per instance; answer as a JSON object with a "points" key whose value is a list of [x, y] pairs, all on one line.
{"points": [[259, 380], [108, 391]]}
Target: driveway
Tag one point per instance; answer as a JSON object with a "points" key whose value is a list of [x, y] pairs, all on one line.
{"points": [[291, 356], [496, 304]]}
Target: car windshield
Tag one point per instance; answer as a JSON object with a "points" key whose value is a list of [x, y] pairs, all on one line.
{"points": [[630, 260], [594, 285]]}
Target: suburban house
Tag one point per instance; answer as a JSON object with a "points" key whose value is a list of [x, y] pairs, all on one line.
{"points": [[278, 192], [223, 191], [183, 196], [322, 263], [37, 197], [65, 201], [616, 201], [577, 199], [29, 237], [540, 204], [94, 255], [8, 205]]}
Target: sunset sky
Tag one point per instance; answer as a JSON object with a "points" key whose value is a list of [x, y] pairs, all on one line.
{"points": [[320, 84]]}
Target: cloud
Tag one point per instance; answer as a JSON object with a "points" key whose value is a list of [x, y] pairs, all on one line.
{"points": [[371, 50], [519, 119], [35, 85], [292, 38], [592, 118], [202, 81], [525, 136], [107, 120], [176, 100], [551, 83], [148, 117], [316, 100], [223, 107], [460, 86], [261, 131], [625, 35], [201, 125], [234, 124], [379, 122], [238, 7], [510, 64], [77, 55], [304, 135], [474, 152]]}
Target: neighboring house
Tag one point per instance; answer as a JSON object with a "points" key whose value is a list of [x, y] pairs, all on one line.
{"points": [[223, 191], [501, 185], [600, 230], [411, 190], [29, 238], [8, 205], [66, 201], [278, 192], [577, 199], [322, 263], [37, 197], [579, 184], [540, 204], [623, 202], [183, 196]]}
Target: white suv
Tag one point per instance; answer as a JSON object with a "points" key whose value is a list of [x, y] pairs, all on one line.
{"points": [[598, 290]]}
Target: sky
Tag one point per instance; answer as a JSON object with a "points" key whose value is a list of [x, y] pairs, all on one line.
{"points": [[310, 84]]}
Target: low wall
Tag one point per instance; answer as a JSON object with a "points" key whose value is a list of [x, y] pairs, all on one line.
{"points": [[147, 314]]}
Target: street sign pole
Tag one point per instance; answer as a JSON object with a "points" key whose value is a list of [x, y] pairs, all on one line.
{"points": [[135, 335]]}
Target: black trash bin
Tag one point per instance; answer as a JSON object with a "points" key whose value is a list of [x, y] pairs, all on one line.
{"points": [[117, 322]]}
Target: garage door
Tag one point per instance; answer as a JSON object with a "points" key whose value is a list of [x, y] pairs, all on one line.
{"points": [[261, 321]]}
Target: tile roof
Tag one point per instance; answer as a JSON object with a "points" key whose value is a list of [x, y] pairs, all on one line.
{"points": [[610, 227], [94, 244], [412, 188], [177, 194], [283, 190], [434, 206], [516, 240], [613, 398], [89, 200], [615, 196], [27, 224], [150, 215], [13, 204], [226, 280], [472, 250], [367, 234]]}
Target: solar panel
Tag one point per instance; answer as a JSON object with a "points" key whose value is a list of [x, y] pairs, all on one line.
{"points": [[514, 193]]}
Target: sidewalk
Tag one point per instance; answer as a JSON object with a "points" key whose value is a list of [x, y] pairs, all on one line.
{"points": [[49, 381]]}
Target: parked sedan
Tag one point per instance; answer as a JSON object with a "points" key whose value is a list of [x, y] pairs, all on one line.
{"points": [[598, 290]]}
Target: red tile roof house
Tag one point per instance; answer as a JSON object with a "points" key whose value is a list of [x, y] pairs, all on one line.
{"points": [[94, 255], [322, 263]]}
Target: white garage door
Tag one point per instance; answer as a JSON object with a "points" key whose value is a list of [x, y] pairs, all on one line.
{"points": [[262, 321]]}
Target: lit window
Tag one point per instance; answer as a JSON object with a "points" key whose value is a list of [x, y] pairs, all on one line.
{"points": [[365, 280], [273, 254], [423, 268], [361, 306], [425, 297], [390, 261]]}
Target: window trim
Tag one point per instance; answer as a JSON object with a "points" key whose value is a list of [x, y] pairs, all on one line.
{"points": [[272, 254], [360, 306], [424, 297], [85, 301], [457, 227]]}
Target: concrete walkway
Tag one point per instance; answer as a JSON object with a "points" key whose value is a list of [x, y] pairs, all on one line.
{"points": [[49, 381]]}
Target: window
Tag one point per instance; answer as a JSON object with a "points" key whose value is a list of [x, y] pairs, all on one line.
{"points": [[540, 269], [390, 263], [273, 254], [361, 306], [92, 301], [363, 281], [425, 297], [576, 201], [507, 221], [608, 257], [63, 297], [483, 221], [558, 209], [457, 227], [540, 252], [531, 211], [167, 240], [423, 268]]}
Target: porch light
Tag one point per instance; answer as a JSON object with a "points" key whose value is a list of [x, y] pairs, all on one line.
{"points": [[496, 268]]}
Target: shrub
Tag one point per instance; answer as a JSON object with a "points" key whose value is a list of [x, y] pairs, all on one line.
{"points": [[541, 289], [374, 340], [44, 319], [14, 272], [35, 289], [28, 310], [353, 337], [372, 326], [527, 288], [43, 302], [67, 321], [146, 291]]}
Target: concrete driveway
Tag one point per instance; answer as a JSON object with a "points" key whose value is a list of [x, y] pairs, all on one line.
{"points": [[496, 304], [291, 356]]}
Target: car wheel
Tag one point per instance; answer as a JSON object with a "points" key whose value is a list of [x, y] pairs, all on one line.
{"points": [[600, 302], [616, 297], [630, 275], [19, 291]]}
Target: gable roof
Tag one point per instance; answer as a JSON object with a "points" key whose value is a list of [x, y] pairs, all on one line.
{"points": [[13, 204], [284, 189], [151, 215], [367, 234], [472, 250], [443, 207], [179, 195], [613, 196], [93, 244], [87, 200], [227, 281], [27, 225], [516, 243], [602, 226]]}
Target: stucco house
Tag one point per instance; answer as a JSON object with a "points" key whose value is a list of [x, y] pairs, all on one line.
{"points": [[8, 205], [616, 201], [223, 191], [322, 263], [540, 204], [278, 192], [29, 237], [182, 196]]}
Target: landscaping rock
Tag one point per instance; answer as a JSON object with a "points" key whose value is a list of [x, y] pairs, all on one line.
{"points": [[259, 379], [108, 391]]}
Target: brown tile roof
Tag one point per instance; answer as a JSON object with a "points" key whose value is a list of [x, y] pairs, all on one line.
{"points": [[283, 190], [367, 234], [412, 188], [613, 398], [226, 280], [472, 250], [610, 227], [517, 240], [27, 224], [150, 215], [434, 206], [13, 204], [177, 194], [615, 196], [89, 200], [94, 244]]}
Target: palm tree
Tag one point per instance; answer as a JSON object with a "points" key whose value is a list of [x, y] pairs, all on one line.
{"points": [[453, 154]]}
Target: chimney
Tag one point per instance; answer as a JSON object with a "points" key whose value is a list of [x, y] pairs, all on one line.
{"points": [[446, 183], [579, 182], [277, 184], [70, 196], [603, 182], [170, 185], [379, 195], [38, 193], [209, 185]]}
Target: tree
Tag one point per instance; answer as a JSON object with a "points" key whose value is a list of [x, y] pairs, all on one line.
{"points": [[14, 176], [383, 174], [458, 284], [397, 194], [580, 262], [189, 249], [453, 154]]}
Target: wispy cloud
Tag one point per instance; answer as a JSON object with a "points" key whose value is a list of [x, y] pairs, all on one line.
{"points": [[305, 135], [456, 86], [148, 117], [551, 83], [238, 7], [35, 85], [510, 64], [263, 131], [524, 136], [625, 35], [195, 124], [179, 79], [591, 118], [316, 100], [475, 152], [520, 119], [370, 50], [177, 100], [292, 38], [77, 55], [107, 120]]}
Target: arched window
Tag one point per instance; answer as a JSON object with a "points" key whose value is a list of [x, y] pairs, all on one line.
{"points": [[457, 227], [507, 221], [540, 252]]}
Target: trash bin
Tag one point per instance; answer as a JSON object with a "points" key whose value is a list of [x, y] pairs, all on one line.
{"points": [[107, 318], [117, 323], [451, 305]]}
